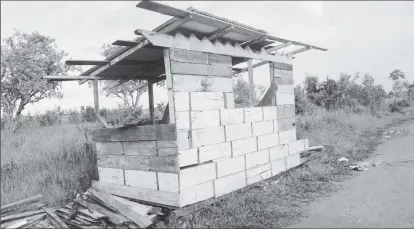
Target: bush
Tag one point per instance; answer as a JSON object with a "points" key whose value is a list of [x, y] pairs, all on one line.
{"points": [[398, 105], [87, 114], [74, 117], [48, 119]]}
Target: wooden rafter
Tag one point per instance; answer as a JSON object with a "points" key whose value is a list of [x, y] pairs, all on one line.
{"points": [[87, 62], [220, 32], [125, 43], [237, 71], [178, 23], [274, 48], [253, 41]]}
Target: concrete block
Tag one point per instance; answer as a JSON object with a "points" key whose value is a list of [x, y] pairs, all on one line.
{"points": [[258, 173], [267, 141], [279, 152], [287, 136], [292, 161], [285, 111], [285, 99], [230, 165], [296, 146], [111, 175], [286, 124], [278, 166], [262, 128], [269, 113], [168, 182], [285, 89], [182, 120], [229, 183], [205, 119], [183, 139], [212, 152], [141, 179], [253, 114], [196, 193], [275, 126], [229, 100], [206, 101], [197, 175], [182, 101], [257, 158], [232, 116], [243, 146], [240, 131], [207, 136], [187, 157]]}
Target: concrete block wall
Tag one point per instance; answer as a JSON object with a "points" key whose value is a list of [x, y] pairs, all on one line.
{"points": [[222, 148]]}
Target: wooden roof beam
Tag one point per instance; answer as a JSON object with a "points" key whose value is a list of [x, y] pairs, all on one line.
{"points": [[177, 24], [220, 32], [300, 50], [253, 41], [87, 62], [237, 71], [274, 48], [125, 43]]}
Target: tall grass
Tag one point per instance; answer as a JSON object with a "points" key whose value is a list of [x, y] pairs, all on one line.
{"points": [[55, 161]]}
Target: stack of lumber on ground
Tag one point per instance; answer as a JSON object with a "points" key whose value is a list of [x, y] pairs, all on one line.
{"points": [[93, 209]]}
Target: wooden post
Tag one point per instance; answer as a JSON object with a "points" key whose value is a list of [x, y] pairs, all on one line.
{"points": [[272, 80], [151, 100], [96, 96], [251, 84]]}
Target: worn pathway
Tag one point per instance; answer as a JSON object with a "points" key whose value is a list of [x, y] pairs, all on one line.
{"points": [[383, 196]]}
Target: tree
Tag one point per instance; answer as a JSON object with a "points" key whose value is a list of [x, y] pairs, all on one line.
{"points": [[131, 91], [241, 90], [396, 75], [25, 58]]}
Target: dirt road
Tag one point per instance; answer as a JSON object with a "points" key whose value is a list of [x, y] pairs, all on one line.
{"points": [[383, 196]]}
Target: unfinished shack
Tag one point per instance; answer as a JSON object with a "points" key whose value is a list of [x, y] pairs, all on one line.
{"points": [[204, 147]]}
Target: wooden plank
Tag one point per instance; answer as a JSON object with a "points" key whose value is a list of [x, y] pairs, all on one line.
{"points": [[181, 55], [20, 215], [167, 164], [109, 148], [162, 152], [113, 217], [96, 96], [125, 43], [253, 41], [87, 62], [141, 209], [269, 98], [19, 203], [124, 209], [140, 148], [200, 69], [176, 24], [148, 195], [219, 60], [277, 47], [273, 86], [197, 83], [92, 214], [56, 221], [25, 222], [151, 100], [283, 66], [162, 132], [251, 84]]}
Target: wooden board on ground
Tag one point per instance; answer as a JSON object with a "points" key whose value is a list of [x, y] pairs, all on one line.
{"points": [[16, 204]]}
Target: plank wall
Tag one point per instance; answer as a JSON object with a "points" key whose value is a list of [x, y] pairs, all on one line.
{"points": [[222, 148]]}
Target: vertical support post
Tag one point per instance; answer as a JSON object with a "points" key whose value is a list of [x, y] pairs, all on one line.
{"points": [[251, 84], [151, 100], [96, 96], [272, 81], [168, 79]]}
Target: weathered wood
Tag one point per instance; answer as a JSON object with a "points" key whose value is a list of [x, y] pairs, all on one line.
{"points": [[141, 209], [272, 83], [113, 217], [125, 43], [200, 69], [19, 203], [164, 132], [56, 221], [87, 62], [151, 100], [25, 222], [141, 148], [220, 32], [186, 56], [176, 24], [277, 47], [251, 84], [92, 214], [219, 60], [109, 148], [144, 194], [20, 215], [140, 163], [122, 208], [269, 98], [253, 41], [96, 96], [283, 66], [196, 83]]}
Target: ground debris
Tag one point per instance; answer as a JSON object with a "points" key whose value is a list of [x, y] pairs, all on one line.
{"points": [[93, 209], [343, 159]]}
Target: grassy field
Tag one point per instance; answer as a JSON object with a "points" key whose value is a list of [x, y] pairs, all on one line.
{"points": [[58, 162]]}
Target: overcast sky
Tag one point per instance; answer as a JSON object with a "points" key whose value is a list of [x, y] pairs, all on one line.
{"points": [[365, 37]]}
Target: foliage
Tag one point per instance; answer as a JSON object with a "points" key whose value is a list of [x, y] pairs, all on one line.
{"points": [[51, 117], [159, 110], [241, 92], [87, 114], [396, 75], [25, 58], [398, 105]]}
